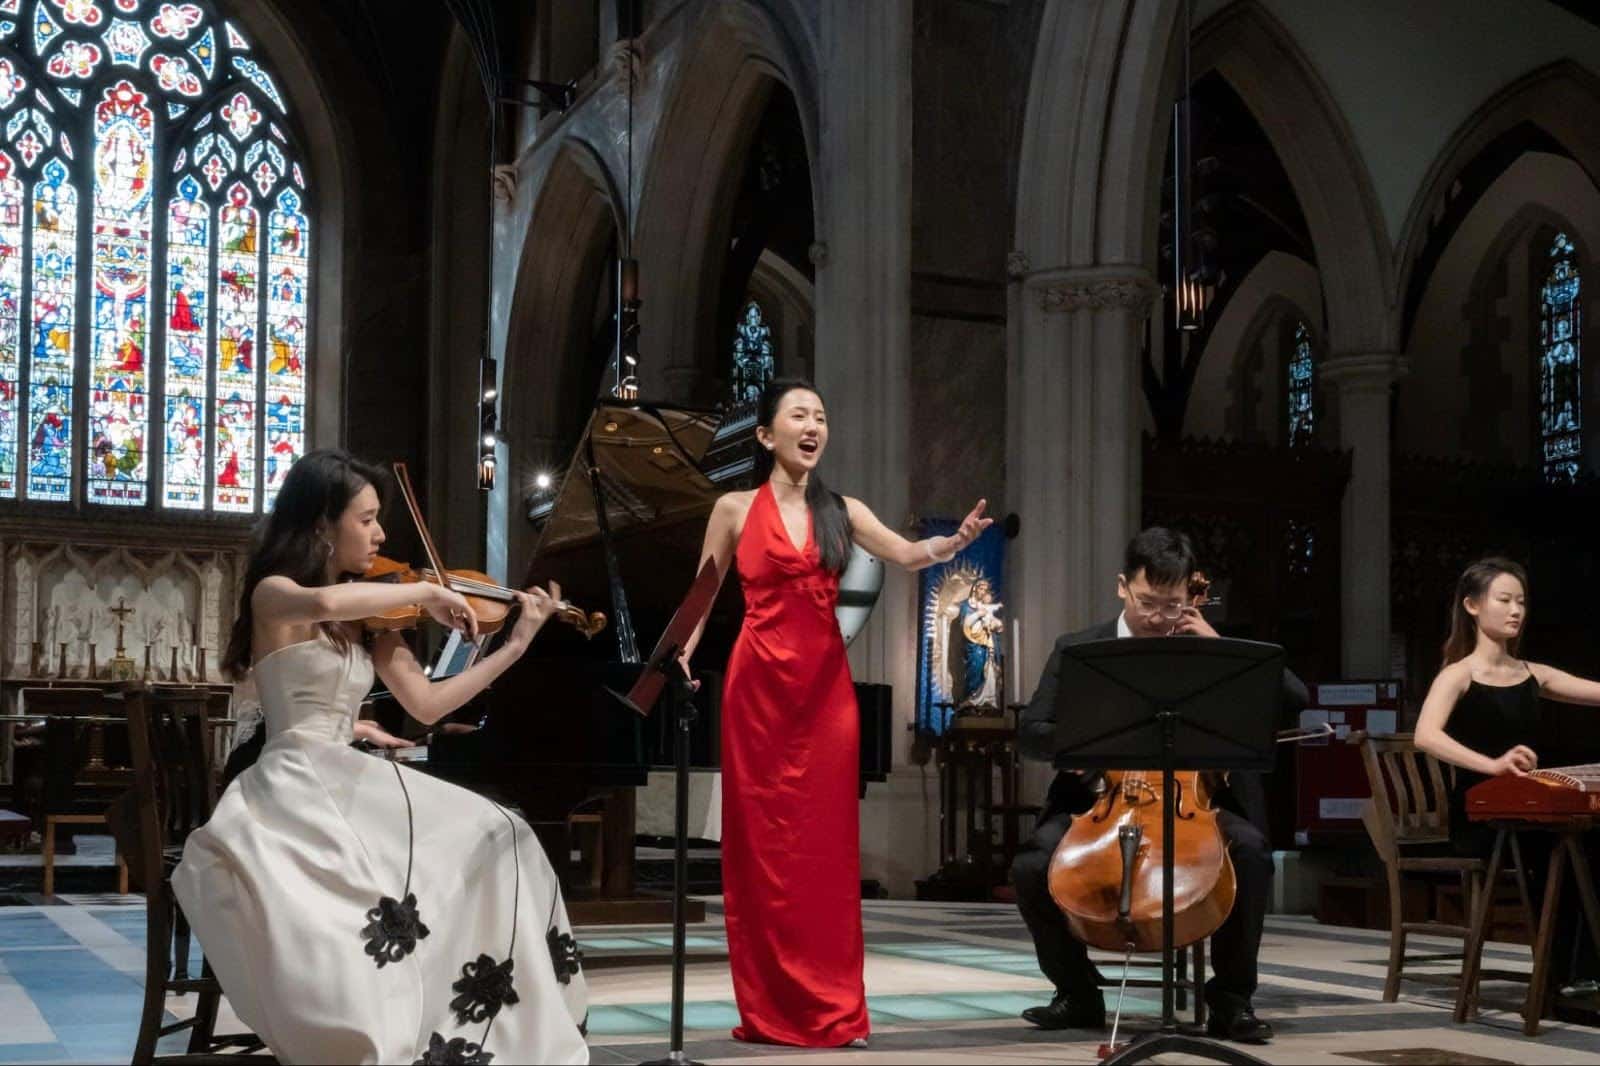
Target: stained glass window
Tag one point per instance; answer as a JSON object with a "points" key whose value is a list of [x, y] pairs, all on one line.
{"points": [[1560, 364], [145, 142], [1300, 380], [754, 363]]}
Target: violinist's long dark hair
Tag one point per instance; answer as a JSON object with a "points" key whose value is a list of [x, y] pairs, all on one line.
{"points": [[1474, 585], [830, 522], [289, 539]]}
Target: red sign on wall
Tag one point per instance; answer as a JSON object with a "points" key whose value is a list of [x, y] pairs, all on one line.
{"points": [[1331, 781]]}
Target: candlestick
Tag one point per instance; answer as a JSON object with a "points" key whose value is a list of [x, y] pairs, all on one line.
{"points": [[172, 674], [1016, 660], [61, 663]]}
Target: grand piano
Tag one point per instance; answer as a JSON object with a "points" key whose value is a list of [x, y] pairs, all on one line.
{"points": [[623, 529]]}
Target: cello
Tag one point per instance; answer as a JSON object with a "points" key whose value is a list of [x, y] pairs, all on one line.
{"points": [[1106, 877]]}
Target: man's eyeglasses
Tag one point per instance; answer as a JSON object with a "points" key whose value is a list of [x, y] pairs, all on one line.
{"points": [[1170, 611]]}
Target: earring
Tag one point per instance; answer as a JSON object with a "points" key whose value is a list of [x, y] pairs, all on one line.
{"points": [[327, 548]]}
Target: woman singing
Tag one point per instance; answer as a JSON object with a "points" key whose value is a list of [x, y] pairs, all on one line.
{"points": [[790, 732], [355, 910], [1482, 716]]}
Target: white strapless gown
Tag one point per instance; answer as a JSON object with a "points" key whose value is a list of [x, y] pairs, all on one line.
{"points": [[283, 889]]}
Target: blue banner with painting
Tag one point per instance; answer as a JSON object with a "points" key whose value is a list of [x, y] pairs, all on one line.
{"points": [[960, 646]]}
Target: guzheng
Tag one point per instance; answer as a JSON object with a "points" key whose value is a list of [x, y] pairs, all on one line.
{"points": [[1553, 795]]}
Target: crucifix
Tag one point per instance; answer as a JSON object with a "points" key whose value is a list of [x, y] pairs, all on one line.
{"points": [[122, 667], [122, 611]]}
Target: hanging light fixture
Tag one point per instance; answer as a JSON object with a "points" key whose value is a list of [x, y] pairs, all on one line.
{"points": [[488, 420], [626, 360], [1189, 291]]}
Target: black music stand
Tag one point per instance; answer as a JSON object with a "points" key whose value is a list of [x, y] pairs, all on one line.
{"points": [[1177, 703], [661, 669]]}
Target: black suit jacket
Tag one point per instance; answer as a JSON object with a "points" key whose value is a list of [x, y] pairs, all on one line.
{"points": [[1071, 793]]}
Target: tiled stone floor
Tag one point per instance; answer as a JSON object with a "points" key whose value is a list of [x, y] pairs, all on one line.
{"points": [[945, 982]]}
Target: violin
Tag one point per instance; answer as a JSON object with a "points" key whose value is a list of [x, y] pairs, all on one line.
{"points": [[490, 602], [1106, 874]]}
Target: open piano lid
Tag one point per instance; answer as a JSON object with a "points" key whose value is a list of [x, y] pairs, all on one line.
{"points": [[648, 460]]}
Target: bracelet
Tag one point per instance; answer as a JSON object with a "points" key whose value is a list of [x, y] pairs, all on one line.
{"points": [[933, 556]]}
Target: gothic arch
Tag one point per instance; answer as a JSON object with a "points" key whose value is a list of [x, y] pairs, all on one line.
{"points": [[742, 53], [1279, 284], [563, 264], [1264, 65], [1472, 341], [1096, 114], [1554, 101]]}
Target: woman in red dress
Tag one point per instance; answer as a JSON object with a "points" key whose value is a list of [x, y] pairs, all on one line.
{"points": [[791, 862]]}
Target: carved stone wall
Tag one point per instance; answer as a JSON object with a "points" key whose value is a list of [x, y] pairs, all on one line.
{"points": [[57, 591]]}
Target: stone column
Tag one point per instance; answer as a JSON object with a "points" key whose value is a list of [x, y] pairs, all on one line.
{"points": [[1362, 385], [863, 296], [862, 256], [1073, 452]]}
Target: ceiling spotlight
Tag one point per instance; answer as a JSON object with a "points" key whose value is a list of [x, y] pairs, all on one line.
{"points": [[543, 482]]}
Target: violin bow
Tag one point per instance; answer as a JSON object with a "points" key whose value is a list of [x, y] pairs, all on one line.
{"points": [[435, 561]]}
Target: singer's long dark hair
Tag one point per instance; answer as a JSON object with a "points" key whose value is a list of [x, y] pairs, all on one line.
{"points": [[1474, 585], [830, 521], [315, 493]]}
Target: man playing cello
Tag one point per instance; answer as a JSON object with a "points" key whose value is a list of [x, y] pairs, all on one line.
{"points": [[1154, 589]]}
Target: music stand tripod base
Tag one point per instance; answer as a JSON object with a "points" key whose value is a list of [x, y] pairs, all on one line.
{"points": [[1146, 1047]]}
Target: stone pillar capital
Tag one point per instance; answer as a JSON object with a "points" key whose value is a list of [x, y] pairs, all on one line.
{"points": [[1095, 289], [1372, 372]]}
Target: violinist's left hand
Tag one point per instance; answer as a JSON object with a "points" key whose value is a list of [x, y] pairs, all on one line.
{"points": [[1193, 624], [537, 606], [377, 736]]}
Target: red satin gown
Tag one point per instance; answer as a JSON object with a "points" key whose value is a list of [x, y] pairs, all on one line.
{"points": [[791, 860]]}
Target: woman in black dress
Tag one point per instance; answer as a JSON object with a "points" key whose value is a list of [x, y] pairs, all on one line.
{"points": [[1482, 716]]}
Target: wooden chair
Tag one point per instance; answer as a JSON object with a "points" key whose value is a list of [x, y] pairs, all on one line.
{"points": [[74, 766], [175, 790], [1408, 819]]}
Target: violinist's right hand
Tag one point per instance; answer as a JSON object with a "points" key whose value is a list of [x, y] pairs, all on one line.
{"points": [[1517, 761], [449, 608]]}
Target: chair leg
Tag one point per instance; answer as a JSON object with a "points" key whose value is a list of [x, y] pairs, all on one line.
{"points": [[157, 965], [1181, 979], [180, 944], [122, 876], [1397, 938], [1200, 982], [205, 1012], [49, 853]]}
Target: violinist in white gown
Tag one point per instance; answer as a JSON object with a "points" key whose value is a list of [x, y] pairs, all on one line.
{"points": [[355, 910]]}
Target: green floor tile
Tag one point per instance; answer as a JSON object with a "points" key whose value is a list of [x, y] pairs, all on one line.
{"points": [[614, 943], [926, 1009], [620, 1021], [715, 1014]]}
